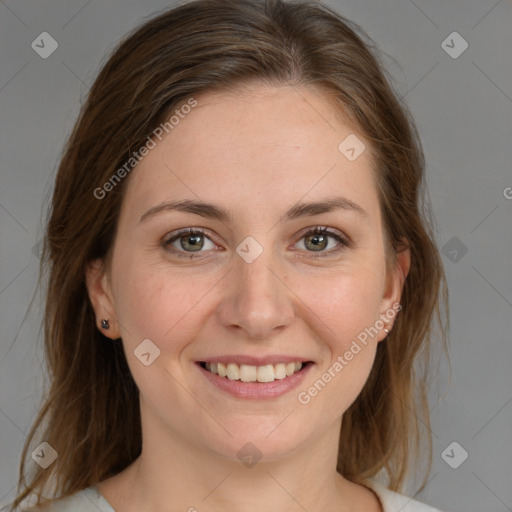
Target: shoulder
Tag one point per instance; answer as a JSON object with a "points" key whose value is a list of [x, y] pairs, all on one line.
{"points": [[86, 500], [394, 502]]}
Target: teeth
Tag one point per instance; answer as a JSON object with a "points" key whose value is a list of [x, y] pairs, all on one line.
{"points": [[280, 371], [221, 369], [290, 369], [248, 373], [233, 371], [266, 373]]}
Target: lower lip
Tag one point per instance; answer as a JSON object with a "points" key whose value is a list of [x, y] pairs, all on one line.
{"points": [[257, 390]]}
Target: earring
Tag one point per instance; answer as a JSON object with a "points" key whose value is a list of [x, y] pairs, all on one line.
{"points": [[386, 330], [105, 324]]}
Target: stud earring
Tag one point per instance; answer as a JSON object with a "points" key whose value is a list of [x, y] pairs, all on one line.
{"points": [[386, 330], [105, 324]]}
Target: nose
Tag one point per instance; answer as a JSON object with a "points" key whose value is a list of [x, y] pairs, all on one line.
{"points": [[257, 301]]}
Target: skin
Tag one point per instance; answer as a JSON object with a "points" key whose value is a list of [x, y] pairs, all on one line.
{"points": [[255, 153]]}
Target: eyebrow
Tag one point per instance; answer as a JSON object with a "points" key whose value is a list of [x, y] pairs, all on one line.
{"points": [[212, 211]]}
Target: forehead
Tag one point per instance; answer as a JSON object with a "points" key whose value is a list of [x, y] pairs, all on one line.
{"points": [[262, 148]]}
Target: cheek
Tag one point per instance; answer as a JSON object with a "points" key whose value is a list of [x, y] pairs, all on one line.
{"points": [[347, 302], [347, 306], [153, 302], [350, 311]]}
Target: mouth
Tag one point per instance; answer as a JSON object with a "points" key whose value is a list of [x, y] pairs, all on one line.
{"points": [[250, 373], [264, 381]]}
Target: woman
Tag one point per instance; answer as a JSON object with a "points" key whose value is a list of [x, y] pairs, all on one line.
{"points": [[241, 275]]}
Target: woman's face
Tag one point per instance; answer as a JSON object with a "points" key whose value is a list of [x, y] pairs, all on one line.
{"points": [[255, 290]]}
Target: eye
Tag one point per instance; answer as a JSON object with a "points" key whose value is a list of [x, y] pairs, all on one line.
{"points": [[184, 243], [317, 240], [189, 241]]}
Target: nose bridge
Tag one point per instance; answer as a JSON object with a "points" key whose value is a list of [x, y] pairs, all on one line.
{"points": [[256, 277], [253, 261], [258, 300]]}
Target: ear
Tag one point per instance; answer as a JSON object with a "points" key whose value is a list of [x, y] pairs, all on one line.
{"points": [[100, 294], [394, 286]]}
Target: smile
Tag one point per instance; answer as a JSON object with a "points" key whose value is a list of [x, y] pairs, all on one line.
{"points": [[255, 381], [249, 373]]}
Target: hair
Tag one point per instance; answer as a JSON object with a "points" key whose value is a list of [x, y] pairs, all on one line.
{"points": [[90, 411]]}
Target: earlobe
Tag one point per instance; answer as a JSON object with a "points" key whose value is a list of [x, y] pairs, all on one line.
{"points": [[100, 295]]}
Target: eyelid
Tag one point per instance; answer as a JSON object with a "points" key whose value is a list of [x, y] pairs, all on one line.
{"points": [[173, 235], [328, 231]]}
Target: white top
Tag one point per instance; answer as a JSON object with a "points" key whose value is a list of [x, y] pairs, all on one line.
{"points": [[90, 500]]}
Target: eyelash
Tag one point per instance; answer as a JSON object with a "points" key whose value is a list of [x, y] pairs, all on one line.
{"points": [[317, 230]]}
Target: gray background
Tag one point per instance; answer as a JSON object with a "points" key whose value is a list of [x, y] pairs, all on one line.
{"points": [[463, 108]]}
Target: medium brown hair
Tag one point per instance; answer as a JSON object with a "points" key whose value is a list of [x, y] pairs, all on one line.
{"points": [[90, 412]]}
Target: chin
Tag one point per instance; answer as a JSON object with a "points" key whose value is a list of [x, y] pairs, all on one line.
{"points": [[257, 438]]}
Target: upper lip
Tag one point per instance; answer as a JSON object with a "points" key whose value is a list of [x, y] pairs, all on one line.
{"points": [[254, 361]]}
